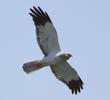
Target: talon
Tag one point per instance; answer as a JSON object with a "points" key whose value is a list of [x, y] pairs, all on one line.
{"points": [[39, 65]]}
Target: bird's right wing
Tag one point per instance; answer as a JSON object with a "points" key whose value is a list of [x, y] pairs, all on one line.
{"points": [[46, 33], [68, 75]]}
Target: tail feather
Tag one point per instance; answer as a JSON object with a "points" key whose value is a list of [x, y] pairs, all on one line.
{"points": [[31, 66]]}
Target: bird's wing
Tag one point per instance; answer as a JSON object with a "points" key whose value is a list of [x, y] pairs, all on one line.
{"points": [[68, 75], [45, 31]]}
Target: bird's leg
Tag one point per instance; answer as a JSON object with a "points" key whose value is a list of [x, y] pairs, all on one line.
{"points": [[39, 65]]}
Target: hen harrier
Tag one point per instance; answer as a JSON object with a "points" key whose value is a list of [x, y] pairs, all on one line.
{"points": [[53, 56]]}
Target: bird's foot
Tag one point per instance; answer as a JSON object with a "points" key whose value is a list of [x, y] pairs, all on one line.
{"points": [[39, 65]]}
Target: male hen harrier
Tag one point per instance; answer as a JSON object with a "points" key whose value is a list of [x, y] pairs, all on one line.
{"points": [[53, 56]]}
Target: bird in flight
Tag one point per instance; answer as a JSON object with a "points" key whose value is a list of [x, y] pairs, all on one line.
{"points": [[53, 55]]}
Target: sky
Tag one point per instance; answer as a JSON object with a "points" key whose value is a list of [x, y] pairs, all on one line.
{"points": [[83, 28]]}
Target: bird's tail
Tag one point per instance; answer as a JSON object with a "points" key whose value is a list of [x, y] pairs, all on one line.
{"points": [[32, 66]]}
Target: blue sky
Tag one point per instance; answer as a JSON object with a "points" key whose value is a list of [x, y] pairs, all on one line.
{"points": [[83, 28]]}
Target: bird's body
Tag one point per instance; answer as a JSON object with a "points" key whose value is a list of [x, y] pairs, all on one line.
{"points": [[51, 59], [53, 55], [54, 58]]}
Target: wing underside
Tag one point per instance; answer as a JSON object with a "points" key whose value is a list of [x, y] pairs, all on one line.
{"points": [[46, 34], [68, 75]]}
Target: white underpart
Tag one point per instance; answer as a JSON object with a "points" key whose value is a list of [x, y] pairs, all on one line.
{"points": [[51, 59]]}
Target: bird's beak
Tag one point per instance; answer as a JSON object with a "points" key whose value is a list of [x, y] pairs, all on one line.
{"points": [[70, 55]]}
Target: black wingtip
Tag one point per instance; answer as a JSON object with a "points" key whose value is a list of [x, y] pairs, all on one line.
{"points": [[75, 86], [39, 16], [34, 7], [31, 14], [39, 8]]}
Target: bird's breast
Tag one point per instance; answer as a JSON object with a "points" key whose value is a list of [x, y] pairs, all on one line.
{"points": [[51, 60]]}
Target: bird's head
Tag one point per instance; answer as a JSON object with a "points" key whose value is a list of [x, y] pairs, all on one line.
{"points": [[65, 56], [68, 55]]}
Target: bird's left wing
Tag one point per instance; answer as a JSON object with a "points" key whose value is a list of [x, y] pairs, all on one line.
{"points": [[46, 33], [64, 72]]}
